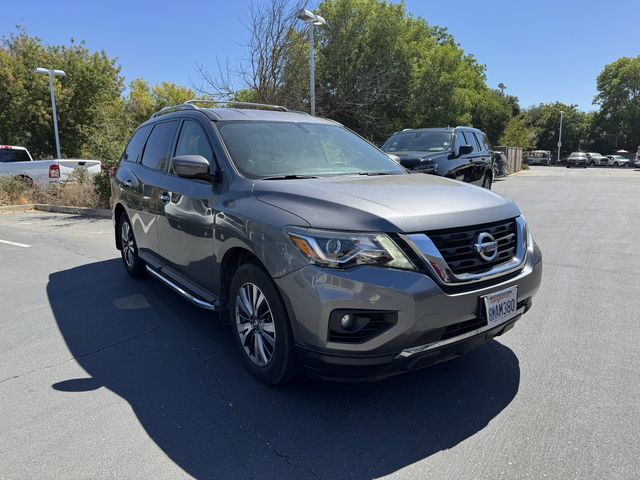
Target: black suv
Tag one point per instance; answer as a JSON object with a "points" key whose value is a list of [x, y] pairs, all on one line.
{"points": [[461, 153]]}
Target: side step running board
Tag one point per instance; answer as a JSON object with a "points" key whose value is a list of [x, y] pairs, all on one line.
{"points": [[195, 300]]}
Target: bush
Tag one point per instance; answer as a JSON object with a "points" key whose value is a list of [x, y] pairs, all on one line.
{"points": [[80, 190], [14, 191], [102, 185]]}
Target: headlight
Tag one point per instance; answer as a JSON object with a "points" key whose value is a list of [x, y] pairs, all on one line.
{"points": [[343, 249]]}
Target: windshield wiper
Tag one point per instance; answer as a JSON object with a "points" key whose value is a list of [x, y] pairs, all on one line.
{"points": [[287, 177], [371, 174]]}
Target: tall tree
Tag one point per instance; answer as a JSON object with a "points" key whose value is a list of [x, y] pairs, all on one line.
{"points": [[92, 85], [619, 99], [545, 119], [274, 71]]}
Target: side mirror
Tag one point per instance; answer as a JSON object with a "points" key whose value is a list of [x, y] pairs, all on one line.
{"points": [[394, 157], [192, 166], [464, 150]]}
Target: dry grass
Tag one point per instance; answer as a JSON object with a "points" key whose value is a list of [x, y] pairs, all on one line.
{"points": [[79, 191]]}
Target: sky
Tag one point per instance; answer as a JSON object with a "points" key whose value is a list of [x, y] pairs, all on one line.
{"points": [[543, 50]]}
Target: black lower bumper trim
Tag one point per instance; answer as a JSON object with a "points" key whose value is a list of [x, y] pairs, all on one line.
{"points": [[367, 368]]}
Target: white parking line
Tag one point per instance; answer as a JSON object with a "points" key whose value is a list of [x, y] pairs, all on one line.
{"points": [[15, 244]]}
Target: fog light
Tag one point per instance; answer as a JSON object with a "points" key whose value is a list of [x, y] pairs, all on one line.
{"points": [[346, 320]]}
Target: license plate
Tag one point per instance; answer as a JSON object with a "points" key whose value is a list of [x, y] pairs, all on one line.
{"points": [[501, 306]]}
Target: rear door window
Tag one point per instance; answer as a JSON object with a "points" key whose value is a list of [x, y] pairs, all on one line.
{"points": [[156, 152], [9, 155], [483, 142], [136, 144]]}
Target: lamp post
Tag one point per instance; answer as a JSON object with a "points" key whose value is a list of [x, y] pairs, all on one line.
{"points": [[502, 88], [312, 20], [560, 136], [51, 74]]}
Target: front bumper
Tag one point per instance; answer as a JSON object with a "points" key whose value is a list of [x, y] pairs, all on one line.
{"points": [[424, 312]]}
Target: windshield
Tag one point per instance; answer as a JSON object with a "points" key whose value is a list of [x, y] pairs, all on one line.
{"points": [[277, 149], [420, 141], [13, 155]]}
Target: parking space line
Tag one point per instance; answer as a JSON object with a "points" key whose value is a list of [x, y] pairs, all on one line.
{"points": [[15, 244]]}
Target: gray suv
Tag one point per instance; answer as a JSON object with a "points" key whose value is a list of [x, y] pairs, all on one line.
{"points": [[323, 252]]}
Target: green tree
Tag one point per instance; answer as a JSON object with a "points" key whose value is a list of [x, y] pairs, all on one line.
{"points": [[143, 101], [545, 119], [619, 99], [93, 84], [518, 133]]}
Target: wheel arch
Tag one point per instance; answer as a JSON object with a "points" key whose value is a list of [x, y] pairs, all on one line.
{"points": [[231, 261], [118, 210]]}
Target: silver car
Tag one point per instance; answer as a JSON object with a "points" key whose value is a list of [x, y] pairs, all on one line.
{"points": [[326, 255]]}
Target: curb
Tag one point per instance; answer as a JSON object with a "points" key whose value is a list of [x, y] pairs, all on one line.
{"points": [[15, 208], [85, 212]]}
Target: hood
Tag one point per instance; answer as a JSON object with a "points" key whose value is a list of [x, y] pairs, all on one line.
{"points": [[390, 203], [415, 154]]}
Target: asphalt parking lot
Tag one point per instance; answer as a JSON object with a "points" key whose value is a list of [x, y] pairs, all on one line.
{"points": [[104, 376]]}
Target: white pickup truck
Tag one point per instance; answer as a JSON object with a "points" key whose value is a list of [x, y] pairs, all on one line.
{"points": [[17, 162]]}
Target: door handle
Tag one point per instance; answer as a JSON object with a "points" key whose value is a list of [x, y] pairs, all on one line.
{"points": [[164, 197], [128, 183]]}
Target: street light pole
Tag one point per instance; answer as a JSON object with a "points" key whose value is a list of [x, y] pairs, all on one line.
{"points": [[502, 87], [312, 20], [312, 69], [51, 74], [560, 135]]}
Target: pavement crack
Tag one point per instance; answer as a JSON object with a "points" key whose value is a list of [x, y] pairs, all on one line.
{"points": [[223, 392], [88, 354]]}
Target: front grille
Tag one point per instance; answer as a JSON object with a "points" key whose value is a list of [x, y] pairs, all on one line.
{"points": [[457, 246]]}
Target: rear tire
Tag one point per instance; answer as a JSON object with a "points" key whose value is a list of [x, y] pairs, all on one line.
{"points": [[129, 248], [27, 181], [260, 326]]}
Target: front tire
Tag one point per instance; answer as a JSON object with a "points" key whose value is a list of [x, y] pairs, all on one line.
{"points": [[260, 326], [129, 248], [486, 182]]}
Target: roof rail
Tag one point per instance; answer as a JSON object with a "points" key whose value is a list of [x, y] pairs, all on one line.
{"points": [[174, 108], [233, 102], [191, 105]]}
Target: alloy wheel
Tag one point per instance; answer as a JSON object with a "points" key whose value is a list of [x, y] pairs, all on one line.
{"points": [[128, 244], [254, 321]]}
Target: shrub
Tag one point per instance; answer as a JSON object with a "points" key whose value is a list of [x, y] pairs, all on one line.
{"points": [[14, 191]]}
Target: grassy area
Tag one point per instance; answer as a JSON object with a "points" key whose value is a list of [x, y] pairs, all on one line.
{"points": [[79, 191]]}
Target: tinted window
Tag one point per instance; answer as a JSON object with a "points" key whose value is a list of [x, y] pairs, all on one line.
{"points": [[11, 155], [193, 141], [458, 141], [421, 141], [136, 144], [156, 153], [264, 149], [481, 138], [471, 140]]}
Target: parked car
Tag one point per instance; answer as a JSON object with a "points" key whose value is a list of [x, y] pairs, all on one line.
{"points": [[501, 164], [17, 162], [537, 157], [577, 159], [322, 250], [636, 163], [597, 159], [461, 153], [618, 161]]}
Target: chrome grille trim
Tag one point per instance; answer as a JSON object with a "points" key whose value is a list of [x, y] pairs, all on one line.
{"points": [[424, 247]]}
